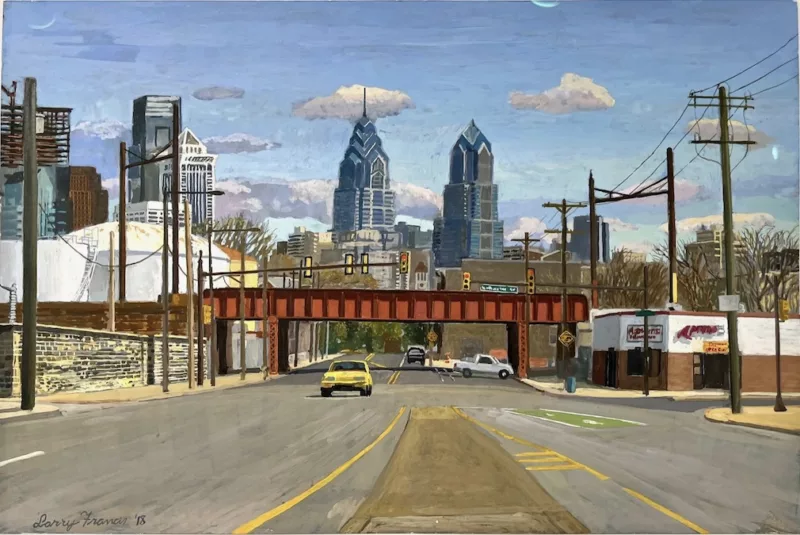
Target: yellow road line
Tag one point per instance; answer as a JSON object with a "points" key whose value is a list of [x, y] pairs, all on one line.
{"points": [[393, 378], [660, 508], [534, 453], [370, 357], [285, 506], [542, 460], [560, 467], [376, 365], [595, 473]]}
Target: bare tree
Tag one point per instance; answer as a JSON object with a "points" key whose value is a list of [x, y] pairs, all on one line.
{"points": [[698, 278], [258, 244], [623, 271], [756, 251]]}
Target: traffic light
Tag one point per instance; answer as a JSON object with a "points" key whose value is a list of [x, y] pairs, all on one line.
{"points": [[465, 284], [531, 281], [783, 309], [307, 265], [364, 263], [404, 262], [348, 264]]}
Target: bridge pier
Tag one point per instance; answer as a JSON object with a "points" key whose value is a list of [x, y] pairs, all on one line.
{"points": [[272, 340], [518, 348]]}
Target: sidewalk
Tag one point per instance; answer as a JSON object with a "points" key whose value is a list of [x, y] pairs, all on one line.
{"points": [[759, 417], [554, 386], [10, 411]]}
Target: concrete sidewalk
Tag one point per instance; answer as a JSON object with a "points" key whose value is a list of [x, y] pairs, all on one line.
{"points": [[759, 417], [10, 411], [553, 386]]}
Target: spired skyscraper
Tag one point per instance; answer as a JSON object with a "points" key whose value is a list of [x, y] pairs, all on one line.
{"points": [[364, 199], [469, 226]]}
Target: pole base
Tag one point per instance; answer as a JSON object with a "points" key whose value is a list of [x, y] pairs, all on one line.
{"points": [[779, 406]]}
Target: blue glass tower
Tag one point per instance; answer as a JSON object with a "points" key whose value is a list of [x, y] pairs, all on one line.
{"points": [[469, 226], [363, 198]]}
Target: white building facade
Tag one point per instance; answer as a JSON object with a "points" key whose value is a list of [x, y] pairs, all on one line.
{"points": [[198, 174], [150, 212]]}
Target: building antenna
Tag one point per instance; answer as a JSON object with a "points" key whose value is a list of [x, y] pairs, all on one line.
{"points": [[365, 102]]}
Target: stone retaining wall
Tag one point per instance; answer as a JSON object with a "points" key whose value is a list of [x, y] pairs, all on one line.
{"points": [[84, 360]]}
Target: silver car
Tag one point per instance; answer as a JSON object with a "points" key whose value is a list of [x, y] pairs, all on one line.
{"points": [[481, 364]]}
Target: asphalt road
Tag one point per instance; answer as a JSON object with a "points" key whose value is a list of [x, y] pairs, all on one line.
{"points": [[277, 458]]}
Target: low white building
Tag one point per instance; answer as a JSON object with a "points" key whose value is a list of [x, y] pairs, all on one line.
{"points": [[150, 212], [689, 351]]}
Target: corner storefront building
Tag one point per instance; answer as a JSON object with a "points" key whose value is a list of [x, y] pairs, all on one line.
{"points": [[689, 351]]}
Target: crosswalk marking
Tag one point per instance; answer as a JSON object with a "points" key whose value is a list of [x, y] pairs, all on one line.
{"points": [[535, 453], [544, 460], [559, 467]]}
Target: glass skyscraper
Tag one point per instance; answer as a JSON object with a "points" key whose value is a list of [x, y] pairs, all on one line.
{"points": [[469, 226], [363, 198]]}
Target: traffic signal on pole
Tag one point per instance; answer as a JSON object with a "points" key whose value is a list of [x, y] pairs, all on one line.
{"points": [[404, 262], [783, 310], [531, 281], [307, 265], [364, 263], [348, 264], [465, 284]]}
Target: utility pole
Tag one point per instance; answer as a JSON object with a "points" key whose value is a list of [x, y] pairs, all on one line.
{"points": [[176, 188], [593, 241], [524, 357], [123, 235], [111, 284], [779, 405], [645, 304], [213, 356], [165, 294], [297, 323], [242, 327], [564, 208], [187, 236], [265, 317], [725, 140], [30, 237], [672, 234], [200, 319]]}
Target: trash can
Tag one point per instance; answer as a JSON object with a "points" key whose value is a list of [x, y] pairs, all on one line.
{"points": [[570, 385]]}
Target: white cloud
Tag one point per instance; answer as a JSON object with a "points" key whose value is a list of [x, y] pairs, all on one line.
{"points": [[708, 129], [284, 226], [685, 190], [112, 185], [218, 93], [232, 187], [104, 129], [692, 224], [636, 246], [619, 225], [347, 103], [532, 225], [238, 143], [410, 195], [574, 93]]}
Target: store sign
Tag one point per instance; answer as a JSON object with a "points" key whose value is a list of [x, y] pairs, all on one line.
{"points": [[715, 347], [635, 333], [690, 332]]}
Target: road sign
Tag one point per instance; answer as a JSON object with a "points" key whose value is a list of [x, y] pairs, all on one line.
{"points": [[499, 288], [432, 337], [206, 314], [728, 303], [645, 313], [566, 338]]}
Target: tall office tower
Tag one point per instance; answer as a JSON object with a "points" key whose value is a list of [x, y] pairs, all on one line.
{"points": [[151, 132], [579, 243], [364, 198], [469, 226], [198, 174]]}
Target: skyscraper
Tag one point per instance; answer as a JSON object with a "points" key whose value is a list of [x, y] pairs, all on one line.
{"points": [[469, 226], [151, 132], [364, 198], [579, 244], [198, 173]]}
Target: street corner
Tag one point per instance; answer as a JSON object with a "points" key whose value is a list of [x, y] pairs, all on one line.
{"points": [[759, 418], [10, 412]]}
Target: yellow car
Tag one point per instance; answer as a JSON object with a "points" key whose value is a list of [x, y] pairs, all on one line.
{"points": [[347, 375]]}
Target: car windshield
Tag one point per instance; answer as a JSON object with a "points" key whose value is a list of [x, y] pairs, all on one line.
{"points": [[349, 367]]}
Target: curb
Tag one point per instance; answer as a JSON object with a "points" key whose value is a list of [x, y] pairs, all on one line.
{"points": [[752, 426], [31, 417]]}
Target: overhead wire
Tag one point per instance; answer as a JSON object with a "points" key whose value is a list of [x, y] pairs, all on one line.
{"points": [[770, 88], [764, 75]]}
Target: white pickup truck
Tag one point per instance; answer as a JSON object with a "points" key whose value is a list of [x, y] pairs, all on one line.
{"points": [[481, 364]]}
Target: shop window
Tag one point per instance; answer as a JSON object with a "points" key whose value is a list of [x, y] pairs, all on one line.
{"points": [[635, 362]]}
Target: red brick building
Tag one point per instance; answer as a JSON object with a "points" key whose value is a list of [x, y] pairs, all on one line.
{"points": [[89, 199]]}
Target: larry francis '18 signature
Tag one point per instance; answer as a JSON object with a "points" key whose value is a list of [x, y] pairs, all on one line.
{"points": [[87, 519]]}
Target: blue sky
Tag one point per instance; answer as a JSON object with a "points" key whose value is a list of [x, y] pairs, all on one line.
{"points": [[455, 61]]}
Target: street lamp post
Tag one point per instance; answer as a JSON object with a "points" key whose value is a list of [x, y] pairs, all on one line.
{"points": [[165, 279]]}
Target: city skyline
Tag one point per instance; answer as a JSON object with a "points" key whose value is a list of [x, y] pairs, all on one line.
{"points": [[285, 123]]}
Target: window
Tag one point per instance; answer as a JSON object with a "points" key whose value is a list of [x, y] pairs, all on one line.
{"points": [[162, 136], [635, 362], [485, 360], [348, 367]]}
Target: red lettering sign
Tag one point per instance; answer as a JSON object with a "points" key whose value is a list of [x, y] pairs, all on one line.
{"points": [[689, 332]]}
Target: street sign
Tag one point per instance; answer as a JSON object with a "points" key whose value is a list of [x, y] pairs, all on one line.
{"points": [[728, 303], [206, 314], [566, 338], [645, 313], [432, 337], [499, 288]]}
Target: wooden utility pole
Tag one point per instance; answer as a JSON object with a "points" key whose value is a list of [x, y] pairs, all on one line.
{"points": [[672, 234], [242, 328], [213, 360], [30, 237], [724, 142], [297, 323], [189, 290], [111, 284], [779, 405], [525, 353], [123, 219], [264, 318], [563, 208], [201, 325], [645, 304], [176, 189], [165, 293], [593, 241]]}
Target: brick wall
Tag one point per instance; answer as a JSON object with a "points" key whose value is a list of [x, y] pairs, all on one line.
{"points": [[83, 360]]}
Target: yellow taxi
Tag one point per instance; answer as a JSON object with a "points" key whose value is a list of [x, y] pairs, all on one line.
{"points": [[347, 376]]}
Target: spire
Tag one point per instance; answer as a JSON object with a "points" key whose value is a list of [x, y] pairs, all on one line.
{"points": [[365, 102]]}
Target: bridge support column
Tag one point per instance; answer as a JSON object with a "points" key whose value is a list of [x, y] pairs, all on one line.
{"points": [[523, 360], [272, 340]]}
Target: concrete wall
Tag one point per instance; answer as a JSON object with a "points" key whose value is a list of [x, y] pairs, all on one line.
{"points": [[83, 360]]}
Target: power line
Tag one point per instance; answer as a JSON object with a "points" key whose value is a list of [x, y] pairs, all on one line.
{"points": [[756, 64], [765, 75], [770, 88]]}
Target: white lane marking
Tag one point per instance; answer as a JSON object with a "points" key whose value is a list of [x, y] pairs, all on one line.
{"points": [[546, 419], [597, 416], [21, 458], [592, 422]]}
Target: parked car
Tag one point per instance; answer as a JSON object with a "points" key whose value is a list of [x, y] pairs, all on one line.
{"points": [[485, 365], [415, 354], [347, 375]]}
